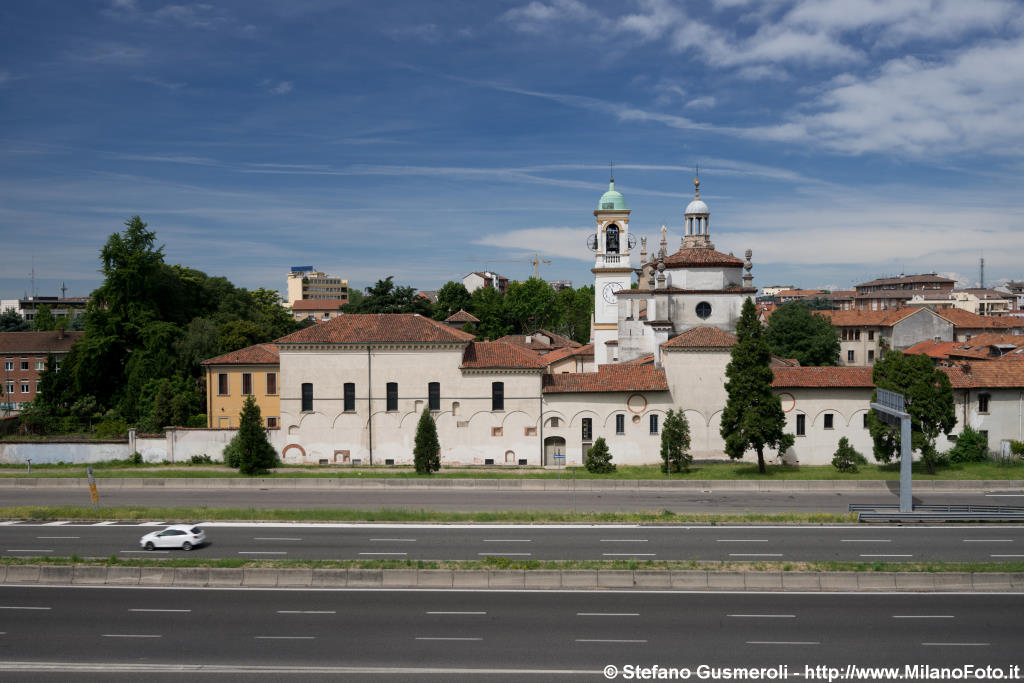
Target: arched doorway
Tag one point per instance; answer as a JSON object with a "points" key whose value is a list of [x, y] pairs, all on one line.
{"points": [[553, 445]]}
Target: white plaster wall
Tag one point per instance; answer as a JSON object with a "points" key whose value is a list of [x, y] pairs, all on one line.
{"points": [[818, 445], [704, 278], [49, 453]]}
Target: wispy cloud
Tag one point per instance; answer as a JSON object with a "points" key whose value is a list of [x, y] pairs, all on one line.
{"points": [[278, 88], [160, 83]]}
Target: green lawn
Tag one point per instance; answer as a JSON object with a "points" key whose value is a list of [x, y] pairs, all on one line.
{"points": [[988, 470]]}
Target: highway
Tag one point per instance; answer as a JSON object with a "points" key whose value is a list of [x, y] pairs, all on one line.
{"points": [[483, 499], [52, 633], [287, 541]]}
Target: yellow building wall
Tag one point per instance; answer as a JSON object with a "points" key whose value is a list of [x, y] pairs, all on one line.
{"points": [[223, 410]]}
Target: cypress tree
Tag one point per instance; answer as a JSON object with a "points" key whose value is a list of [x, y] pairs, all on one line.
{"points": [[675, 443], [255, 454], [426, 453]]}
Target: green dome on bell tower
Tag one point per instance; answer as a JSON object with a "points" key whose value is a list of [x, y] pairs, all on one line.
{"points": [[612, 200]]}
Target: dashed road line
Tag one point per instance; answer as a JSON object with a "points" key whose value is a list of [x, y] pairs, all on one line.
{"points": [[457, 613], [402, 554], [783, 642], [131, 635], [262, 552], [306, 611], [923, 616], [284, 637], [608, 640], [23, 607], [762, 616], [443, 638], [276, 538], [607, 614], [154, 609], [394, 540]]}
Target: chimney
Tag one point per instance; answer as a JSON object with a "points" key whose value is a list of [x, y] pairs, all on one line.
{"points": [[60, 332]]}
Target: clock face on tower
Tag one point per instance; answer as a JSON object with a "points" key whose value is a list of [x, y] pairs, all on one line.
{"points": [[610, 290]]}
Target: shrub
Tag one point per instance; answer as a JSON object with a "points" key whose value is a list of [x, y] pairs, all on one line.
{"points": [[599, 459], [111, 426], [233, 452], [847, 458], [135, 458], [426, 452], [202, 459], [970, 446], [1017, 448], [197, 421]]}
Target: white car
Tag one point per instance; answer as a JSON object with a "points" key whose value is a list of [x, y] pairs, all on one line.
{"points": [[184, 536]]}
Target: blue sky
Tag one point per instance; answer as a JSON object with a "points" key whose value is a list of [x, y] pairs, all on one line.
{"points": [[840, 140]]}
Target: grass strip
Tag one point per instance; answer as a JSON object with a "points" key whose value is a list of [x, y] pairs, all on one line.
{"points": [[253, 514], [1013, 469], [503, 563]]}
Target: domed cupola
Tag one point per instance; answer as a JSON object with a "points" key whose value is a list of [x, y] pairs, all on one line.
{"points": [[698, 234], [612, 200]]}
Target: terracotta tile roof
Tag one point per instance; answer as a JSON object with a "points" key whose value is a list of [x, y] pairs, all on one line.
{"points": [[568, 352], [907, 279], [868, 318], [462, 316], [642, 360], [384, 328], [258, 354], [987, 374], [931, 348], [318, 304], [973, 321], [534, 342], [38, 342], [608, 378], [702, 257], [850, 376], [802, 292], [703, 337], [500, 355], [777, 362]]}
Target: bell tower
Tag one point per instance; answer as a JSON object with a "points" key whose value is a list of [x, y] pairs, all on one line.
{"points": [[612, 271]]}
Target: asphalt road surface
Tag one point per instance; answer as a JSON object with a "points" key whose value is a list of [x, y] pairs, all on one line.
{"points": [[54, 633], [492, 500], [754, 543]]}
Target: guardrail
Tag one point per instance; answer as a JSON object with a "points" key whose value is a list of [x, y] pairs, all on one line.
{"points": [[867, 512]]}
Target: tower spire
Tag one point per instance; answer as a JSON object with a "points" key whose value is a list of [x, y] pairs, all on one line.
{"points": [[611, 171], [696, 182]]}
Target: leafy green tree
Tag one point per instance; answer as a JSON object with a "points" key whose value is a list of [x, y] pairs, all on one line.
{"points": [[451, 298], [929, 395], [44, 320], [599, 458], [753, 416], [85, 410], [239, 334], [160, 413], [181, 411], [426, 454], [572, 311], [11, 321], [529, 305], [52, 398], [488, 305], [793, 331], [847, 458], [971, 446], [675, 442], [252, 450], [199, 341], [385, 297]]}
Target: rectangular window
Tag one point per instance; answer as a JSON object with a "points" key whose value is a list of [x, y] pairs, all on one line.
{"points": [[828, 421], [271, 383], [24, 365], [26, 387], [246, 383], [654, 424], [272, 423], [871, 335], [40, 365], [434, 395], [10, 387], [620, 424], [222, 384], [497, 396], [871, 355], [983, 403], [587, 428], [856, 335], [8, 365], [801, 425], [392, 396], [865, 420], [849, 356], [350, 397], [307, 397]]}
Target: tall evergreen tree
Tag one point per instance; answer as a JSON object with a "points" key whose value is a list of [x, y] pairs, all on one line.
{"points": [[753, 416], [794, 332], [426, 454], [255, 454], [44, 320], [929, 395], [675, 442]]}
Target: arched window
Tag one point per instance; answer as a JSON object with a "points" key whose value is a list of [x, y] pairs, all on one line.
{"points": [[611, 239]]}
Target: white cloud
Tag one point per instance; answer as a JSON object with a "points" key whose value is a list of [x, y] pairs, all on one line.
{"points": [[159, 82], [112, 53], [427, 33], [281, 88], [562, 242], [537, 16], [5, 76], [704, 102]]}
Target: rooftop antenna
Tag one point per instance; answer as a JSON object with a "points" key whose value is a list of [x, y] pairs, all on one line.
{"points": [[611, 170], [983, 272], [32, 275], [63, 290]]}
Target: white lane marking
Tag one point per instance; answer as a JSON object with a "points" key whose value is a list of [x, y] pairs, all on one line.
{"points": [[153, 609], [441, 638], [629, 554], [306, 611], [284, 637], [607, 614], [1005, 495], [877, 555], [456, 612], [10, 522], [1006, 555], [103, 523], [783, 642], [394, 540], [741, 540], [923, 616], [508, 540], [262, 552], [384, 554], [762, 616], [865, 540], [988, 540], [54, 537], [30, 550], [130, 635], [152, 524], [755, 554], [16, 607], [623, 540], [506, 554], [956, 644], [154, 552], [55, 523], [276, 538], [607, 640]]}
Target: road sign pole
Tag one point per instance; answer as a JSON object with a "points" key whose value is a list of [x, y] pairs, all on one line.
{"points": [[906, 462], [93, 493]]}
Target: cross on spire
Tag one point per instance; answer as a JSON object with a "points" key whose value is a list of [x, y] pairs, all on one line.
{"points": [[611, 170]]}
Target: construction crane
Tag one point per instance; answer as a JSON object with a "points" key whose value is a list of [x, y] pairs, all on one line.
{"points": [[535, 262]]}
